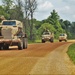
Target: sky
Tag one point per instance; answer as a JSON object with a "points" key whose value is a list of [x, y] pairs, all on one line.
{"points": [[64, 8]]}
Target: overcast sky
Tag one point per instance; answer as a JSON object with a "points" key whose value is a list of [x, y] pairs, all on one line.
{"points": [[65, 9]]}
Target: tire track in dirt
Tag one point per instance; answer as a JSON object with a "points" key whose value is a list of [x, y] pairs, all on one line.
{"points": [[18, 66], [55, 63]]}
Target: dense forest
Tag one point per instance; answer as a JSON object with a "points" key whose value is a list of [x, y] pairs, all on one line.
{"points": [[23, 10]]}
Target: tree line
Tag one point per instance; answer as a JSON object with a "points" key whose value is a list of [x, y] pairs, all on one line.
{"points": [[23, 10], [56, 25]]}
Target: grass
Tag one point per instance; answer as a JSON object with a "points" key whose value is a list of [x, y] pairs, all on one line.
{"points": [[36, 41], [71, 52]]}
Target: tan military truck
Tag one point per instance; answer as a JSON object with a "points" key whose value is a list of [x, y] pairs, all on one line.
{"points": [[12, 34], [63, 37], [47, 36]]}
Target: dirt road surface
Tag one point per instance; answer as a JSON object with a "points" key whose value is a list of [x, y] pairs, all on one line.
{"points": [[42, 59]]}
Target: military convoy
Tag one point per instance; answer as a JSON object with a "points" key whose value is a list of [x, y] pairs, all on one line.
{"points": [[12, 34], [47, 36]]}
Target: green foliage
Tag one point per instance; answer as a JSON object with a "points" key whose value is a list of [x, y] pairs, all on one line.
{"points": [[46, 26], [37, 23], [7, 4], [54, 15], [71, 52], [3, 12], [12, 11], [62, 24], [16, 13], [50, 20]]}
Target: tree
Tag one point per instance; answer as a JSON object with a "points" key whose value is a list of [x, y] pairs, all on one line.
{"points": [[37, 23], [7, 3], [3, 14], [62, 24], [67, 24], [7, 6], [32, 8], [53, 19], [16, 11], [29, 7], [44, 27], [54, 15]]}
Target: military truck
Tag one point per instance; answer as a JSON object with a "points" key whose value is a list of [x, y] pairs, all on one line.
{"points": [[63, 37], [47, 36], [9, 30]]}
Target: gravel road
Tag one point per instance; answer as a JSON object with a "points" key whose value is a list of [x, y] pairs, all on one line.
{"points": [[47, 58], [56, 62]]}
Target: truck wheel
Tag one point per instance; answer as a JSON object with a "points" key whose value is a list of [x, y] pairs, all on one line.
{"points": [[60, 40], [0, 48], [25, 43], [43, 41], [65, 40], [20, 45], [6, 47], [51, 40]]}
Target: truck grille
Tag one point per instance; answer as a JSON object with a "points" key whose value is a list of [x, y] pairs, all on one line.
{"points": [[7, 33]]}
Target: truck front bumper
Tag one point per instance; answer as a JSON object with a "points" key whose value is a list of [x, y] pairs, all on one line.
{"points": [[9, 41]]}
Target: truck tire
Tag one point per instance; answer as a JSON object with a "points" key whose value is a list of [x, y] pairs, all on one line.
{"points": [[0, 47], [20, 45], [6, 47], [60, 40], [51, 40], [43, 41], [25, 43], [65, 40]]}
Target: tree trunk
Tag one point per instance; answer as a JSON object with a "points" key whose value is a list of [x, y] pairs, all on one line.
{"points": [[31, 27]]}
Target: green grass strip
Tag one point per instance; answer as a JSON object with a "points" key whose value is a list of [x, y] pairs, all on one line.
{"points": [[71, 52]]}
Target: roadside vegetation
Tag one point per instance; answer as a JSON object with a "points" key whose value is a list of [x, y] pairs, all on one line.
{"points": [[35, 41], [71, 52]]}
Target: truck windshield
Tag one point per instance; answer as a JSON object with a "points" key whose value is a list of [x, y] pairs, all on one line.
{"points": [[62, 34], [46, 33], [9, 23]]}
